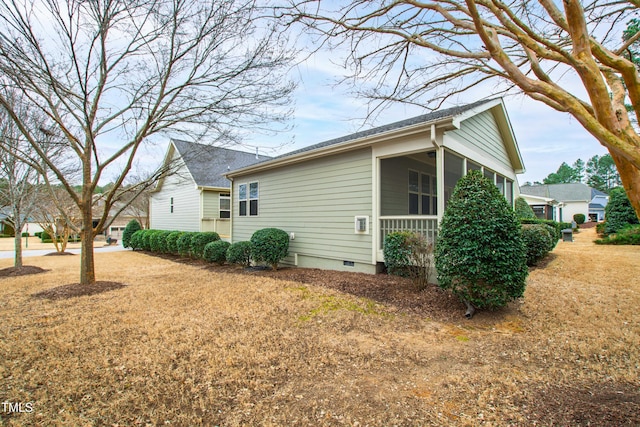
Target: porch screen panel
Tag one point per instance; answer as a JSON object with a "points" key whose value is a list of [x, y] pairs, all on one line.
{"points": [[471, 166], [453, 171]]}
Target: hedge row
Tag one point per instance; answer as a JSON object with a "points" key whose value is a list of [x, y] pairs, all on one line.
{"points": [[269, 245]]}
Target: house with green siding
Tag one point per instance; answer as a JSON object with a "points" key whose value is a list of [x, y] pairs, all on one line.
{"points": [[339, 199], [195, 195]]}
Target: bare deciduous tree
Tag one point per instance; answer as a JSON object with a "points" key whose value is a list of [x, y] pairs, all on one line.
{"points": [[112, 74], [425, 52], [22, 172]]}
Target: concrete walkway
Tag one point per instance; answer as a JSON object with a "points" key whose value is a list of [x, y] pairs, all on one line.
{"points": [[99, 247]]}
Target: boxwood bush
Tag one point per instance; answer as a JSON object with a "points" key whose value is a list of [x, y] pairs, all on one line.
{"points": [[270, 245], [480, 255], [199, 240], [579, 218], [172, 242], [131, 228], [159, 241], [396, 253], [216, 251], [557, 226], [135, 242], [146, 239], [184, 243], [539, 241], [239, 253]]}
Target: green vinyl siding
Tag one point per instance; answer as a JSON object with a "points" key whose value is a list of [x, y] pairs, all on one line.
{"points": [[210, 204], [318, 201], [481, 134]]}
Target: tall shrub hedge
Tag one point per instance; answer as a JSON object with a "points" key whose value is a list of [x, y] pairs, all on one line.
{"points": [[523, 210], [480, 255]]}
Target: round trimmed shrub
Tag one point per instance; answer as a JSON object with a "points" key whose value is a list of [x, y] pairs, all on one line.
{"points": [[216, 251], [146, 239], [239, 253], [538, 241], [184, 243], [523, 210], [270, 245], [131, 228], [480, 255], [172, 242], [136, 240], [200, 240], [159, 241], [579, 218]]}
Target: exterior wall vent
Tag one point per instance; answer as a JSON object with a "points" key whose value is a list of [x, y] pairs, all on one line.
{"points": [[361, 225]]}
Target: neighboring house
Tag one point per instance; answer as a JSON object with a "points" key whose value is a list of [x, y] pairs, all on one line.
{"points": [[7, 228], [197, 196], [340, 198], [543, 207], [118, 224], [572, 199], [599, 201]]}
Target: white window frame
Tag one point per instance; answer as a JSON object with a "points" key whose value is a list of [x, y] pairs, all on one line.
{"points": [[248, 199], [221, 197]]}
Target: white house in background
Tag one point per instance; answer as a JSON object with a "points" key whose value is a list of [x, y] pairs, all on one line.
{"points": [[543, 207], [571, 199], [339, 199], [197, 196]]}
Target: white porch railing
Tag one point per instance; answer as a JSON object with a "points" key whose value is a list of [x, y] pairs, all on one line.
{"points": [[425, 225]]}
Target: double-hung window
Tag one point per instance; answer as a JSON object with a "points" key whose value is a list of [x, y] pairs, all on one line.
{"points": [[225, 205], [248, 196]]}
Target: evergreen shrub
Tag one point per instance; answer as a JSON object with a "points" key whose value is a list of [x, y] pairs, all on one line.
{"points": [[131, 228], [480, 255], [199, 241], [410, 255], [523, 210], [136, 240], [270, 245], [239, 253], [579, 218], [184, 243], [216, 251], [172, 242], [630, 235], [618, 213], [538, 240]]}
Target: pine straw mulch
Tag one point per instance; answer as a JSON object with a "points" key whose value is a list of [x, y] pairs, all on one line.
{"points": [[21, 271], [77, 290]]}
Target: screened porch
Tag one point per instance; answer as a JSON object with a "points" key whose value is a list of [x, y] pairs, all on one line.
{"points": [[413, 190]]}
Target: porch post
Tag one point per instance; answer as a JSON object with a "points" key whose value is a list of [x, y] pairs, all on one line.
{"points": [[440, 175], [374, 227]]}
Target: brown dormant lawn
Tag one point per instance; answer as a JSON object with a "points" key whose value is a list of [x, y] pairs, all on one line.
{"points": [[189, 345]]}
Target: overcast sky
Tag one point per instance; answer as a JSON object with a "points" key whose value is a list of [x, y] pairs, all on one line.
{"points": [[324, 111]]}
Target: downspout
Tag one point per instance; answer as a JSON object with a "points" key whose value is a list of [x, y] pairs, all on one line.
{"points": [[231, 204]]}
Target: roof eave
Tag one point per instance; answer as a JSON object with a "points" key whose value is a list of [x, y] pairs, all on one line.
{"points": [[344, 146]]}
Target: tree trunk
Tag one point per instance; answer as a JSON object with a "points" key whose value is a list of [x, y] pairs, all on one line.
{"points": [[87, 266], [18, 248], [630, 176]]}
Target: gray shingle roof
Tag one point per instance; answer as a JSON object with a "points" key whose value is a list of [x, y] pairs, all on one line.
{"points": [[425, 118], [561, 192], [207, 163]]}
